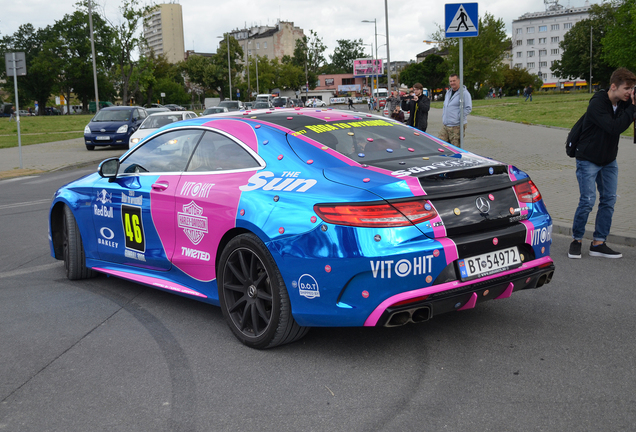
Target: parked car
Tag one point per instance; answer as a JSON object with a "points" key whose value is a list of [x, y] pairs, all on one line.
{"points": [[248, 105], [214, 110], [24, 113], [315, 102], [157, 120], [262, 104], [174, 107], [296, 218], [156, 110], [232, 105], [282, 102], [113, 126]]}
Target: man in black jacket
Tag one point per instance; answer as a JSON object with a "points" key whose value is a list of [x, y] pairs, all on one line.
{"points": [[418, 106], [609, 114]]}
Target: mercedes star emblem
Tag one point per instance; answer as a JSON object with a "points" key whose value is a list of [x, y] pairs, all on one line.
{"points": [[482, 205]]}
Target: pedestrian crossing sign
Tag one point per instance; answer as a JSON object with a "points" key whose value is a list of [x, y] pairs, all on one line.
{"points": [[461, 20]]}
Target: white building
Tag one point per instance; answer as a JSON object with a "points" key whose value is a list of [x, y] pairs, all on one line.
{"points": [[536, 37], [163, 31]]}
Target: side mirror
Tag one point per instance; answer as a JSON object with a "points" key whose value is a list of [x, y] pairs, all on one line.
{"points": [[108, 169]]}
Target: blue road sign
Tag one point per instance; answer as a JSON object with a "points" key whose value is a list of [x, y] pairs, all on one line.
{"points": [[461, 20]]}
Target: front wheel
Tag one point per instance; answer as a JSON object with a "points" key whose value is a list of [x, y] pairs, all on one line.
{"points": [[74, 256], [253, 296]]}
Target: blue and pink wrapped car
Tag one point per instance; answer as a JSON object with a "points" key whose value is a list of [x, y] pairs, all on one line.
{"points": [[295, 218]]}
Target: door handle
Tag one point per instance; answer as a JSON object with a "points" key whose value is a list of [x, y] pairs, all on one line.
{"points": [[161, 186]]}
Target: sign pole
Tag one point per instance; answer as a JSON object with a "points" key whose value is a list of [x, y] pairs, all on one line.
{"points": [[461, 92], [17, 105]]}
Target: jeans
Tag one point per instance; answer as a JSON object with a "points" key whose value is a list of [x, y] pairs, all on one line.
{"points": [[590, 176], [529, 95]]}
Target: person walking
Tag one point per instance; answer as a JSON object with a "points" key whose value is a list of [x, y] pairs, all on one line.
{"points": [[418, 105], [529, 93], [12, 116], [350, 103], [451, 114], [609, 113]]}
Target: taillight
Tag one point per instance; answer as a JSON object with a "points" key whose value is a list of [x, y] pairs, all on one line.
{"points": [[375, 215], [527, 192]]}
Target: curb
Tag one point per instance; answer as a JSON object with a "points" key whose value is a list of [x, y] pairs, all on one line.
{"points": [[617, 237]]}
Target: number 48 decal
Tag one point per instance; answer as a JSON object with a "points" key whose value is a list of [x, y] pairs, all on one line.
{"points": [[133, 228]]}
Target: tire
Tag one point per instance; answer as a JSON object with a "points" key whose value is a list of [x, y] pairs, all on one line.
{"points": [[253, 296], [90, 147], [74, 257]]}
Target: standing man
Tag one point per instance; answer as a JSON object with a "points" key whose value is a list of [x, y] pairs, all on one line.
{"points": [[451, 115], [392, 101], [609, 114], [418, 105]]}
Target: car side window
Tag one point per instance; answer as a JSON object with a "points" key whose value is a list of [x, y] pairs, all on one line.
{"points": [[169, 152], [217, 152]]}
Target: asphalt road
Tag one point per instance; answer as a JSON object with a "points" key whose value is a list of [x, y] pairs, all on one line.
{"points": [[109, 355]]}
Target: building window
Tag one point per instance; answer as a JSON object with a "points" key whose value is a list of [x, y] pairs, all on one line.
{"points": [[552, 62], [554, 39], [530, 53], [519, 54], [554, 51], [554, 27], [258, 45], [519, 42], [530, 42], [543, 64], [567, 26], [348, 81], [249, 52], [542, 40], [530, 65], [519, 31], [264, 45], [518, 65], [530, 30], [543, 29]]}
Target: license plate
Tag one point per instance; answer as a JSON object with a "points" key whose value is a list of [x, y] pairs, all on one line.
{"points": [[489, 263], [102, 138]]}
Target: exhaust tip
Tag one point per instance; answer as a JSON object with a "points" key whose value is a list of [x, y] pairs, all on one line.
{"points": [[421, 315], [549, 278], [542, 280], [399, 319]]}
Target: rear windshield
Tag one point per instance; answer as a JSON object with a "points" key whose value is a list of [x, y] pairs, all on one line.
{"points": [[372, 139], [112, 115], [229, 104]]}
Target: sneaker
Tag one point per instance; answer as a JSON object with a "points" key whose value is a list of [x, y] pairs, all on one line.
{"points": [[575, 249], [604, 251]]}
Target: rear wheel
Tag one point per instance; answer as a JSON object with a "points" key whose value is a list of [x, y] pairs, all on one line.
{"points": [[74, 257], [90, 147], [253, 296]]}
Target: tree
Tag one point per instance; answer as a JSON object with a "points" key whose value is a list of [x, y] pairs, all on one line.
{"points": [[517, 78], [128, 40], [619, 43], [309, 52], [575, 60], [344, 55], [73, 47], [432, 73], [204, 72], [483, 55], [41, 62]]}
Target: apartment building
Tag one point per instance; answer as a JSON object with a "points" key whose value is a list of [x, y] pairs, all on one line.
{"points": [[269, 41], [536, 37], [163, 31]]}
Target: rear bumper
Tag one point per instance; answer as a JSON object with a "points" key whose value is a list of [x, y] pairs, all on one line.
{"points": [[447, 297]]}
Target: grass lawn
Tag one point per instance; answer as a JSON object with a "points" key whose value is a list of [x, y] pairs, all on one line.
{"points": [[42, 129], [562, 110]]}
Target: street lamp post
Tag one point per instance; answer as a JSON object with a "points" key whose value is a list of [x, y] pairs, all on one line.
{"points": [[388, 51], [229, 68], [375, 24]]}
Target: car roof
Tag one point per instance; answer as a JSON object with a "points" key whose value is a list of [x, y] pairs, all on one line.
{"points": [[114, 108]]}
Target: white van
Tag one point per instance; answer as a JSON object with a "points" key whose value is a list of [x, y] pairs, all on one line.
{"points": [[265, 97]]}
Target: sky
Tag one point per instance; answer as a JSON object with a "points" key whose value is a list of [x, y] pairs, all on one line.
{"points": [[410, 22]]}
